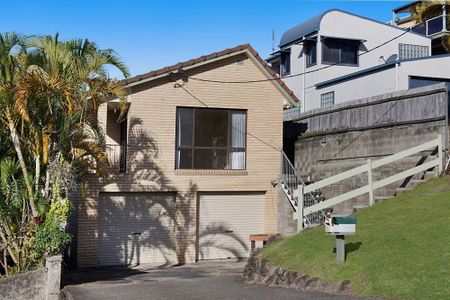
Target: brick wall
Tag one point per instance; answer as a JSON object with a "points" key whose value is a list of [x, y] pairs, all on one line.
{"points": [[151, 150]]}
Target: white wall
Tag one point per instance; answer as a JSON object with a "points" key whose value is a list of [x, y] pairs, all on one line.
{"points": [[344, 25], [386, 81]]}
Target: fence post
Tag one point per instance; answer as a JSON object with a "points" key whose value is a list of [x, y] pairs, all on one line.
{"points": [[370, 181], [298, 194], [441, 167]]}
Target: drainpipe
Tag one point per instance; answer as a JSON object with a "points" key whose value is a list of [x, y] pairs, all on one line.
{"points": [[397, 71], [444, 18], [304, 77]]}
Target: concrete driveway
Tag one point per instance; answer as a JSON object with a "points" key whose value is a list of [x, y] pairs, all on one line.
{"points": [[205, 280]]}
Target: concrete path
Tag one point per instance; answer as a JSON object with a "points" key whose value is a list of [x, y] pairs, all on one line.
{"points": [[205, 280]]}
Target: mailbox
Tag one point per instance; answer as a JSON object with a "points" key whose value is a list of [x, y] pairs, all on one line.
{"points": [[340, 225]]}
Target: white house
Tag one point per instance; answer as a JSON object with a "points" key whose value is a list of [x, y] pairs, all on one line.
{"points": [[339, 56]]}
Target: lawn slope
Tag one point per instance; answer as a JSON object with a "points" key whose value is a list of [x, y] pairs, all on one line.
{"points": [[401, 249]]}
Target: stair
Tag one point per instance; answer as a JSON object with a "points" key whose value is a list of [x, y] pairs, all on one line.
{"points": [[289, 181]]}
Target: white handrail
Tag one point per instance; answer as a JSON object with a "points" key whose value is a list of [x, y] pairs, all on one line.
{"points": [[372, 185]]}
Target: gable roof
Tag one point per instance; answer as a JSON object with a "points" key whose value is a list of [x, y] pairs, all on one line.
{"points": [[196, 62]]}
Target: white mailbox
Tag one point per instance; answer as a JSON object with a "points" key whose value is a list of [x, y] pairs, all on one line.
{"points": [[340, 225]]}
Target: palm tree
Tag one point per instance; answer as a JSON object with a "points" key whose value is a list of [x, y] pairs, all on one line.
{"points": [[12, 47], [59, 96], [425, 10]]}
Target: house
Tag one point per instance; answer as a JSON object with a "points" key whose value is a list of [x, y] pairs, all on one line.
{"points": [[194, 163], [324, 63], [436, 26]]}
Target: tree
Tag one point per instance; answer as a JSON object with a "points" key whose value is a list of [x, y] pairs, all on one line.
{"points": [[50, 91], [425, 10]]}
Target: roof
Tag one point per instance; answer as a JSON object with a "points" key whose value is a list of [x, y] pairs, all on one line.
{"points": [[313, 25], [301, 30], [372, 70], [405, 6], [246, 48]]}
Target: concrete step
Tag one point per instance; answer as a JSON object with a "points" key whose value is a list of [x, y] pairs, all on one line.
{"points": [[359, 207], [379, 199], [398, 191]]}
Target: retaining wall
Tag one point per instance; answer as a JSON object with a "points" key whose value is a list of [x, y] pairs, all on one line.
{"points": [[344, 136], [40, 284]]}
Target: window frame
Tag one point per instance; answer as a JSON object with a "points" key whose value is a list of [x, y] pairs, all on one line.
{"points": [[327, 93], [339, 40], [308, 45], [285, 54], [228, 147]]}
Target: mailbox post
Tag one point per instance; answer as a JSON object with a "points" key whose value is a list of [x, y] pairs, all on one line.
{"points": [[340, 226]]}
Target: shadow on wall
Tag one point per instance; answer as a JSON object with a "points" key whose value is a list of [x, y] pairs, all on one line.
{"points": [[155, 222]]}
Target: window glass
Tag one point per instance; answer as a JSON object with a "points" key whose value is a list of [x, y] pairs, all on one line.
{"points": [[210, 159], [336, 51], [185, 126], [311, 53], [327, 99], [211, 138], [211, 128], [285, 63]]}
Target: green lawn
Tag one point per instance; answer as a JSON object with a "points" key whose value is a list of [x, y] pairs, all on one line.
{"points": [[401, 249]]}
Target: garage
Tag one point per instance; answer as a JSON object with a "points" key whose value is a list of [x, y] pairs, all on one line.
{"points": [[136, 228], [225, 223]]}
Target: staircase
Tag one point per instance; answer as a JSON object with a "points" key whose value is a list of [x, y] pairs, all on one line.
{"points": [[290, 180]]}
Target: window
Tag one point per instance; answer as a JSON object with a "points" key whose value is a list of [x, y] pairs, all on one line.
{"points": [[285, 63], [211, 138], [408, 51], [311, 53], [336, 51], [327, 99]]}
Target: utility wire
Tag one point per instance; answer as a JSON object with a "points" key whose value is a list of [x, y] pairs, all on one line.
{"points": [[177, 85], [307, 72]]}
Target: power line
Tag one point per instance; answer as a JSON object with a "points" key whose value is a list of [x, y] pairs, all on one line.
{"points": [[177, 85], [303, 73]]}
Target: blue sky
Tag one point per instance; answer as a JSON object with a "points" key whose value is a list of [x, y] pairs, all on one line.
{"points": [[152, 34]]}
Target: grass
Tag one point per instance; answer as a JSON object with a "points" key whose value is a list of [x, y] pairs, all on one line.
{"points": [[401, 249]]}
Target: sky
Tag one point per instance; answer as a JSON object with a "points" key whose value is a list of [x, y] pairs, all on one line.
{"points": [[152, 34]]}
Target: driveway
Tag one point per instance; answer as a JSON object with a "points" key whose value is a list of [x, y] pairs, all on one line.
{"points": [[205, 280]]}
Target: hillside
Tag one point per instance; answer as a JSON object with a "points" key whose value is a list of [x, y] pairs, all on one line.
{"points": [[401, 249]]}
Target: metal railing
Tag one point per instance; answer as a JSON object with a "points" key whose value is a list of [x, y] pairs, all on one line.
{"points": [[432, 26], [290, 181], [117, 157], [303, 191]]}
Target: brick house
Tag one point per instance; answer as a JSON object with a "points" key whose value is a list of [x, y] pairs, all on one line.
{"points": [[193, 164]]}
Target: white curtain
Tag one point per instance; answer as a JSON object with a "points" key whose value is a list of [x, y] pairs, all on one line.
{"points": [[238, 134]]}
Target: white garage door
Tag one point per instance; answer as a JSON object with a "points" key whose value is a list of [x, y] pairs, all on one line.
{"points": [[225, 223], [136, 228]]}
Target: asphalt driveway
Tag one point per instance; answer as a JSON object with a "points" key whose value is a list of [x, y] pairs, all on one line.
{"points": [[205, 280]]}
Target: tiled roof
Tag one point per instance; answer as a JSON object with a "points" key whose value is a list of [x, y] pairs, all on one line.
{"points": [[191, 62]]}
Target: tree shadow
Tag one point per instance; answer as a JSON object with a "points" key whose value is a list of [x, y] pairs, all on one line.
{"points": [[143, 217]]}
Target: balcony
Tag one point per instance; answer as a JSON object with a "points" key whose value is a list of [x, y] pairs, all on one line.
{"points": [[117, 157], [434, 27]]}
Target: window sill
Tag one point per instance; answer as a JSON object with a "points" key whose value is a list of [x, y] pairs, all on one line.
{"points": [[212, 172]]}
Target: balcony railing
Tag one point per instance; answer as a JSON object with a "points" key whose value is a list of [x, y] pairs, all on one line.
{"points": [[117, 157], [432, 26]]}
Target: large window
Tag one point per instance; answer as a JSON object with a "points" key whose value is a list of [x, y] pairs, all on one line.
{"points": [[311, 53], [211, 138], [285, 62], [340, 51]]}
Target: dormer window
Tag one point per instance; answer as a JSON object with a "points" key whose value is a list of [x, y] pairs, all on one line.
{"points": [[340, 51], [286, 62]]}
